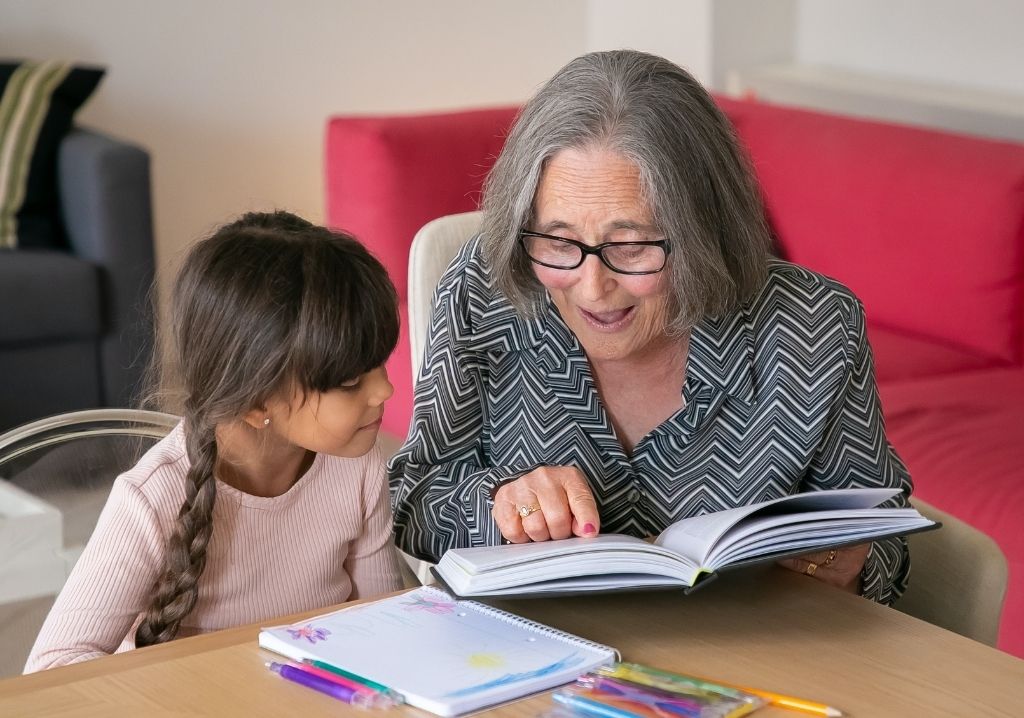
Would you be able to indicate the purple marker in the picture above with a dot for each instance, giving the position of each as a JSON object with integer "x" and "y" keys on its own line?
{"x": 351, "y": 696}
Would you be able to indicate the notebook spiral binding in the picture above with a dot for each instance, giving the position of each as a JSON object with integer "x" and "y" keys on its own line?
{"x": 527, "y": 623}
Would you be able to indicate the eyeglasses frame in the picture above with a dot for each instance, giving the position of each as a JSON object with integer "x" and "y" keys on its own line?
{"x": 586, "y": 250}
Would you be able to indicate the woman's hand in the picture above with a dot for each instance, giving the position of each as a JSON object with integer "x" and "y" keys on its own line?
{"x": 558, "y": 503}
{"x": 839, "y": 567}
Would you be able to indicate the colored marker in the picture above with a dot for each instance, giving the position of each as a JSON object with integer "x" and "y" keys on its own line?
{"x": 664, "y": 679}
{"x": 335, "y": 690}
{"x": 342, "y": 681}
{"x": 589, "y": 706}
{"x": 644, "y": 695}
{"x": 395, "y": 696}
{"x": 672, "y": 682}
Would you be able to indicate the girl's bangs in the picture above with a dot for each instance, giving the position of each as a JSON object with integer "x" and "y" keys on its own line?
{"x": 347, "y": 324}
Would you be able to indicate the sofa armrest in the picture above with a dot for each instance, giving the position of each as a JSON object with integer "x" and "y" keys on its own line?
{"x": 106, "y": 208}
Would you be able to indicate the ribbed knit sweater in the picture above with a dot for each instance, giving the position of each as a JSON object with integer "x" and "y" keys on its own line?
{"x": 324, "y": 541}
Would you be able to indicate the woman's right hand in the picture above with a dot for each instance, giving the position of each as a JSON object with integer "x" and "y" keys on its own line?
{"x": 563, "y": 501}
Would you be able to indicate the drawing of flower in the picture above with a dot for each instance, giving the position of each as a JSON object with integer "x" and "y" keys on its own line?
{"x": 421, "y": 603}
{"x": 310, "y": 632}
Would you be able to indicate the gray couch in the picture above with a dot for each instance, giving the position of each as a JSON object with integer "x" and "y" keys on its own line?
{"x": 75, "y": 323}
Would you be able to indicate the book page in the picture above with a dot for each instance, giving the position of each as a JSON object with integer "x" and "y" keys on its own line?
{"x": 490, "y": 558}
{"x": 695, "y": 537}
{"x": 755, "y": 536}
{"x": 520, "y": 568}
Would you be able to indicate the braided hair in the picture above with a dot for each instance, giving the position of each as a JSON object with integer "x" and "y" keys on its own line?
{"x": 266, "y": 301}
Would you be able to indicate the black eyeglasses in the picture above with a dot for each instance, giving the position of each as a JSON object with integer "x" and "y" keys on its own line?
{"x": 547, "y": 250}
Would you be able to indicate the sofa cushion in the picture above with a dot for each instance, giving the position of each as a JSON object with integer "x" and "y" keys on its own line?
{"x": 388, "y": 176}
{"x": 37, "y": 102}
{"x": 900, "y": 356}
{"x": 47, "y": 295}
{"x": 43, "y": 379}
{"x": 926, "y": 227}
{"x": 962, "y": 437}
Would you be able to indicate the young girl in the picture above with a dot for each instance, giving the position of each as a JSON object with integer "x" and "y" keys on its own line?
{"x": 269, "y": 497}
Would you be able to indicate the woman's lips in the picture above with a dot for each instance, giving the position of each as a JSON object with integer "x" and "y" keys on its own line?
{"x": 610, "y": 321}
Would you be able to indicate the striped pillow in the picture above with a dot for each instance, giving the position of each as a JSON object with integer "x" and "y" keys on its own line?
{"x": 37, "y": 102}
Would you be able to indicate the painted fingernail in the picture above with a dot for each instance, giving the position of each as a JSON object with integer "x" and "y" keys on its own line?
{"x": 588, "y": 528}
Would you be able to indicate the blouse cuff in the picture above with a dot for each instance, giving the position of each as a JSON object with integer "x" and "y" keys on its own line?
{"x": 884, "y": 577}
{"x": 476, "y": 498}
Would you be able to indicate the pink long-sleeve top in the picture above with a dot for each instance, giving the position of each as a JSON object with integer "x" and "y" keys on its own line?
{"x": 326, "y": 540}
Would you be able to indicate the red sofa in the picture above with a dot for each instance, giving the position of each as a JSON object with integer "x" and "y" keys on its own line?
{"x": 926, "y": 227}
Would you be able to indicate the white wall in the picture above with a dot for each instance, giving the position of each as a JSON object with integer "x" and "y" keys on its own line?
{"x": 972, "y": 43}
{"x": 231, "y": 96}
{"x": 707, "y": 37}
{"x": 748, "y": 34}
{"x": 679, "y": 30}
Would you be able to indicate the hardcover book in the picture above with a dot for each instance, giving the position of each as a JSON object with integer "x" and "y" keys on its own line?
{"x": 687, "y": 553}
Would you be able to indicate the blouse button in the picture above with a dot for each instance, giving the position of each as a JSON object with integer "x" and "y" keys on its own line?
{"x": 633, "y": 496}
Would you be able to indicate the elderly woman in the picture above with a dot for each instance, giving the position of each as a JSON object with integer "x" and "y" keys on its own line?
{"x": 617, "y": 350}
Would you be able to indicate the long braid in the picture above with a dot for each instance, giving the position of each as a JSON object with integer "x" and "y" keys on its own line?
{"x": 178, "y": 588}
{"x": 265, "y": 303}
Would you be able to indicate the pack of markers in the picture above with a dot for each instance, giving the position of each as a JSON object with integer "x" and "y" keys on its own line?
{"x": 630, "y": 690}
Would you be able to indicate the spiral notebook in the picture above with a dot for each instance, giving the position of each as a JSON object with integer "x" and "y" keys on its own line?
{"x": 445, "y": 656}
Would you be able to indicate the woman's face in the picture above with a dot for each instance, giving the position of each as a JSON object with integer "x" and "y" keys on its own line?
{"x": 593, "y": 196}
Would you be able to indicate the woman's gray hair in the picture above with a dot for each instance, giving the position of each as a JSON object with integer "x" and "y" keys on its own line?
{"x": 694, "y": 177}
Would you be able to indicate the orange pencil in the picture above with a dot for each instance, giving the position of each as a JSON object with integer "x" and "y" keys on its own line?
{"x": 799, "y": 704}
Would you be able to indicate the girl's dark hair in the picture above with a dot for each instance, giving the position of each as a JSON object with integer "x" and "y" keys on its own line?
{"x": 268, "y": 302}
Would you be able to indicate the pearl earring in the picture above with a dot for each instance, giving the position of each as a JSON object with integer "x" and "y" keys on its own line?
{"x": 266, "y": 422}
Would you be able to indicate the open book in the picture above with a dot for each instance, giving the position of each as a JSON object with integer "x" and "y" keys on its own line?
{"x": 444, "y": 656}
{"x": 687, "y": 553}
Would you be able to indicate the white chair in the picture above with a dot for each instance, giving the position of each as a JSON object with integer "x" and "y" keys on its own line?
{"x": 958, "y": 578}
{"x": 55, "y": 475}
{"x": 433, "y": 249}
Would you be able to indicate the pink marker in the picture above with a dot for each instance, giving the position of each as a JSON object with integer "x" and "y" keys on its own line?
{"x": 363, "y": 699}
{"x": 334, "y": 678}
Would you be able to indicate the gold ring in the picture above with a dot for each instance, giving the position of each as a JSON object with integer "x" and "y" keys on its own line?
{"x": 811, "y": 568}
{"x": 525, "y": 511}
{"x": 830, "y": 558}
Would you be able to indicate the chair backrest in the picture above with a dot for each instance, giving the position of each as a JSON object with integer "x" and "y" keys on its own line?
{"x": 958, "y": 578}
{"x": 55, "y": 475}
{"x": 433, "y": 249}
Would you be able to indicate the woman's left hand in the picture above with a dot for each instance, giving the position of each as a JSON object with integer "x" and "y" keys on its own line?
{"x": 839, "y": 567}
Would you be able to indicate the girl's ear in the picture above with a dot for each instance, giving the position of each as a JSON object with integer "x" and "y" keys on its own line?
{"x": 257, "y": 418}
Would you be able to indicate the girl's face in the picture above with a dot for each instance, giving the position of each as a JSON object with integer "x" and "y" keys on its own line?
{"x": 594, "y": 196}
{"x": 339, "y": 422}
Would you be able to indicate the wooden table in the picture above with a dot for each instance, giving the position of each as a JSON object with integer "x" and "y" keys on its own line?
{"x": 771, "y": 629}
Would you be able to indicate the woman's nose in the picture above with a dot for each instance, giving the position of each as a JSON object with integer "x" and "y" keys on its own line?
{"x": 596, "y": 279}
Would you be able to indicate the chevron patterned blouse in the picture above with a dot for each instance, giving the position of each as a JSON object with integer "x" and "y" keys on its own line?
{"x": 779, "y": 397}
